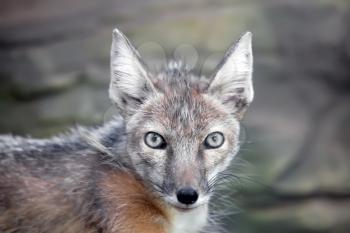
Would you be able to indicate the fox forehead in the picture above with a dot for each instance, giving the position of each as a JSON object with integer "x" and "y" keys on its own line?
{"x": 188, "y": 111}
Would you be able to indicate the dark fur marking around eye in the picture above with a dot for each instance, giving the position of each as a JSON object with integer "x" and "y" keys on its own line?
{"x": 168, "y": 183}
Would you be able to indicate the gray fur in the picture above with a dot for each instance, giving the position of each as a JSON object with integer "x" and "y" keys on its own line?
{"x": 175, "y": 103}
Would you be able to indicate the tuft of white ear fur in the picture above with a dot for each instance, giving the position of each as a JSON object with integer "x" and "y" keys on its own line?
{"x": 232, "y": 81}
{"x": 130, "y": 82}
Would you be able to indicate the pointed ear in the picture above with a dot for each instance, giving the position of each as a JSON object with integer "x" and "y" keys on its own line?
{"x": 232, "y": 81}
{"x": 130, "y": 83}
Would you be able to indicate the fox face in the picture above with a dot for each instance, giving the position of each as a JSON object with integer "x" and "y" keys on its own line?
{"x": 182, "y": 130}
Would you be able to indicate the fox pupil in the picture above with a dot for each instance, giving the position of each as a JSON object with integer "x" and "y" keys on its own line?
{"x": 154, "y": 138}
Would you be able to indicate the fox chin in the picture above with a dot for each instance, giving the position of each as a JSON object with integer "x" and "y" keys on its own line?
{"x": 153, "y": 169}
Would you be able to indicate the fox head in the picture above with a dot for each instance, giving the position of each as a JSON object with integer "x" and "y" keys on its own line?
{"x": 182, "y": 130}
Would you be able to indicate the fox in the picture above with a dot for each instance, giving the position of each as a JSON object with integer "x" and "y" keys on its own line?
{"x": 151, "y": 169}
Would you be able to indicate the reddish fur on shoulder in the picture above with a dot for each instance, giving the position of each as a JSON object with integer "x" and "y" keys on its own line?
{"x": 130, "y": 206}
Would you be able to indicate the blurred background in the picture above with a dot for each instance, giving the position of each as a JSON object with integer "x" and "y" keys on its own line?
{"x": 294, "y": 168}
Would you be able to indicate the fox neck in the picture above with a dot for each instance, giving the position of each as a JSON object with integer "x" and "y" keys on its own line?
{"x": 188, "y": 221}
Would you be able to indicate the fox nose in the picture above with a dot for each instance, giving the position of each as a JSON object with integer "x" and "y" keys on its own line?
{"x": 187, "y": 196}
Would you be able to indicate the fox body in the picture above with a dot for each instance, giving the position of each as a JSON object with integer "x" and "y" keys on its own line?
{"x": 151, "y": 170}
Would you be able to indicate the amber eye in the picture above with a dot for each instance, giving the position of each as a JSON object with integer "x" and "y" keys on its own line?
{"x": 214, "y": 140}
{"x": 154, "y": 140}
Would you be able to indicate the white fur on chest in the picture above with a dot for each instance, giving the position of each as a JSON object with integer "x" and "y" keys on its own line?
{"x": 190, "y": 221}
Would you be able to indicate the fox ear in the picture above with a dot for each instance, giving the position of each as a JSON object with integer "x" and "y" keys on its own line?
{"x": 232, "y": 81}
{"x": 130, "y": 83}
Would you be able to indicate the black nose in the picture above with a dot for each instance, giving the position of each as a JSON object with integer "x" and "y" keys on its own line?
{"x": 187, "y": 196}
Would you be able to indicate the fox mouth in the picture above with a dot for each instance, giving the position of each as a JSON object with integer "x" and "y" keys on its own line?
{"x": 185, "y": 209}
{"x": 172, "y": 201}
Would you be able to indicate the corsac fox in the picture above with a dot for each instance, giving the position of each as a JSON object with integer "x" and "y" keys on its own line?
{"x": 151, "y": 170}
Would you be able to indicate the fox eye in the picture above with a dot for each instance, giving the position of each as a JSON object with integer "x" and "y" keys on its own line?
{"x": 154, "y": 140}
{"x": 214, "y": 140}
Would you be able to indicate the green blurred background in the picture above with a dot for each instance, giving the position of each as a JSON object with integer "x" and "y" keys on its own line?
{"x": 294, "y": 168}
